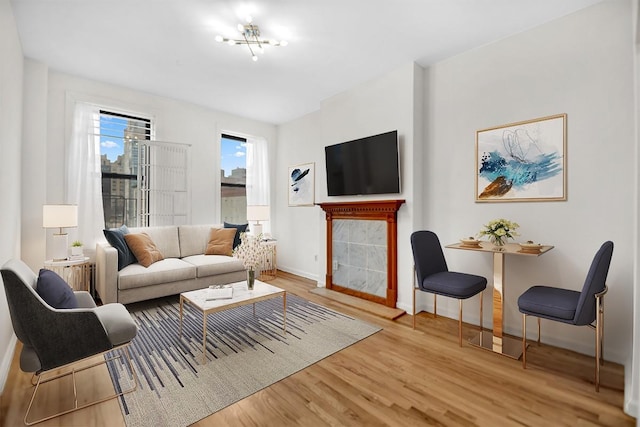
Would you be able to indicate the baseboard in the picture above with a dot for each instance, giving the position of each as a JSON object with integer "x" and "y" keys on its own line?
{"x": 300, "y": 273}
{"x": 631, "y": 408}
{"x": 5, "y": 366}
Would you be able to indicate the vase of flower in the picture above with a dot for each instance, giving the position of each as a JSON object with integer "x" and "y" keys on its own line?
{"x": 497, "y": 241}
{"x": 499, "y": 230}
{"x": 251, "y": 279}
{"x": 252, "y": 252}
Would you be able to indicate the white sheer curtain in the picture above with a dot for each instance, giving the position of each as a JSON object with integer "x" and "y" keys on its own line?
{"x": 84, "y": 177}
{"x": 257, "y": 171}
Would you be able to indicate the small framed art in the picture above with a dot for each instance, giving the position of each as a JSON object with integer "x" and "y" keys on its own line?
{"x": 302, "y": 185}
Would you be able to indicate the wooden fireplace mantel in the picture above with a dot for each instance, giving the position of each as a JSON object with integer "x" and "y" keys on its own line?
{"x": 380, "y": 210}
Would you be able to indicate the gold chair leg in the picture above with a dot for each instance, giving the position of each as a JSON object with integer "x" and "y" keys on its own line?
{"x": 414, "y": 297}
{"x": 460, "y": 323}
{"x": 524, "y": 341}
{"x": 601, "y": 330}
{"x": 481, "y": 298}
{"x": 599, "y": 324}
{"x": 435, "y": 306}
{"x": 73, "y": 371}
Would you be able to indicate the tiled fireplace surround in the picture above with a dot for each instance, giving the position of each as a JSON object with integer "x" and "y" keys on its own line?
{"x": 362, "y": 249}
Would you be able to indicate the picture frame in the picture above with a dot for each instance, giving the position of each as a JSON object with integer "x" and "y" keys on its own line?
{"x": 523, "y": 161}
{"x": 301, "y": 182}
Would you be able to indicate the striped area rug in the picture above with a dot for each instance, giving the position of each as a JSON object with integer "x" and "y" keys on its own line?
{"x": 245, "y": 353}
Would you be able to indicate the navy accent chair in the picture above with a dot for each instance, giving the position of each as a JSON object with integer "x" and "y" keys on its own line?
{"x": 55, "y": 339}
{"x": 571, "y": 307}
{"x": 433, "y": 276}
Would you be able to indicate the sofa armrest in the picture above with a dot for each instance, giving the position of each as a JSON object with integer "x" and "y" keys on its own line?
{"x": 107, "y": 272}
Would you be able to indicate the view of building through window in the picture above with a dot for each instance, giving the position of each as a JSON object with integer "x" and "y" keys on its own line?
{"x": 119, "y": 136}
{"x": 233, "y": 179}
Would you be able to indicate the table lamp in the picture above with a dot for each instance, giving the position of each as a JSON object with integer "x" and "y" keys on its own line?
{"x": 60, "y": 216}
{"x": 257, "y": 213}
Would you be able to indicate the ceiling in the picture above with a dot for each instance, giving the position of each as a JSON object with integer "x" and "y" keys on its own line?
{"x": 167, "y": 47}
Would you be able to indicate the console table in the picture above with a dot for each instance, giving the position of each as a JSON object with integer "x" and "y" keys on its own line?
{"x": 495, "y": 340}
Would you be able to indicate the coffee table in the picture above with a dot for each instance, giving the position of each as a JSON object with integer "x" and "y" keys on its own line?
{"x": 241, "y": 296}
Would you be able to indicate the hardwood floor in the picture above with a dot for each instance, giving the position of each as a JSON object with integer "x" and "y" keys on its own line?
{"x": 398, "y": 376}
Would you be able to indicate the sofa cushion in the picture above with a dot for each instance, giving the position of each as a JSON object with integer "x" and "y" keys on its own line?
{"x": 165, "y": 271}
{"x": 55, "y": 291}
{"x": 220, "y": 241}
{"x": 143, "y": 248}
{"x": 211, "y": 265}
{"x": 194, "y": 238}
{"x": 115, "y": 237}
{"x": 165, "y": 238}
{"x": 240, "y": 228}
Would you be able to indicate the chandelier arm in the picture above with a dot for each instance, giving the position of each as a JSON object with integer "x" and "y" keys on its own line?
{"x": 248, "y": 45}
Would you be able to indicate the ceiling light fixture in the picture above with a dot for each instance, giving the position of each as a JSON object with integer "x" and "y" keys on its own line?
{"x": 251, "y": 37}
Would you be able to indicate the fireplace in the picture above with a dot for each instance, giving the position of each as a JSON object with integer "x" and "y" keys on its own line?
{"x": 362, "y": 249}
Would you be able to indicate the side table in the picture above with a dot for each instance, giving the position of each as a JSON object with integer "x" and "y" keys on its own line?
{"x": 269, "y": 267}
{"x": 77, "y": 273}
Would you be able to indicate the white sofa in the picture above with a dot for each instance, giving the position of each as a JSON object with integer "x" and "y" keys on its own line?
{"x": 184, "y": 267}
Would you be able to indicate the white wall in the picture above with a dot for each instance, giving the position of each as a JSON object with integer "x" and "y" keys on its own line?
{"x": 581, "y": 65}
{"x": 175, "y": 121}
{"x": 383, "y": 104}
{"x": 632, "y": 377}
{"x": 11, "y": 68}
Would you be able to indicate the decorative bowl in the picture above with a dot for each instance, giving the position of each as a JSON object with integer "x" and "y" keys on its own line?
{"x": 532, "y": 248}
{"x": 470, "y": 241}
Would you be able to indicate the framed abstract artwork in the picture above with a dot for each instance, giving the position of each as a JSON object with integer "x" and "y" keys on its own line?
{"x": 523, "y": 162}
{"x": 302, "y": 185}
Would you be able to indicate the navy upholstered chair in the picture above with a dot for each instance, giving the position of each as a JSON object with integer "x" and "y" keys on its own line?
{"x": 433, "y": 276}
{"x": 54, "y": 338}
{"x": 585, "y": 308}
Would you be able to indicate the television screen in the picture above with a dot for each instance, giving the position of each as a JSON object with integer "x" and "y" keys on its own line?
{"x": 364, "y": 166}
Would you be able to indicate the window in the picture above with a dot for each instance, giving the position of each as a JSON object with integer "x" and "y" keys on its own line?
{"x": 119, "y": 155}
{"x": 233, "y": 179}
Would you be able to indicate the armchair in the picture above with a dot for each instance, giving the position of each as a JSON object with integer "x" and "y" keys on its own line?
{"x": 57, "y": 338}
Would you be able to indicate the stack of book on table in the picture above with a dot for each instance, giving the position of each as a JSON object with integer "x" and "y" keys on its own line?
{"x": 219, "y": 292}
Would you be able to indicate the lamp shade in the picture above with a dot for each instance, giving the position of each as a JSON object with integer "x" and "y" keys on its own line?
{"x": 258, "y": 213}
{"x": 59, "y": 216}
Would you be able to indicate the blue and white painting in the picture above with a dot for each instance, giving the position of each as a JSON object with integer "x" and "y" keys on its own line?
{"x": 301, "y": 185}
{"x": 522, "y": 161}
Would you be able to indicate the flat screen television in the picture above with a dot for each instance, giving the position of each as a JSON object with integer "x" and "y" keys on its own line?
{"x": 364, "y": 166}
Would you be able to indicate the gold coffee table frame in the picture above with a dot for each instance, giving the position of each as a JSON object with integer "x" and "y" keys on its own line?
{"x": 241, "y": 296}
{"x": 495, "y": 340}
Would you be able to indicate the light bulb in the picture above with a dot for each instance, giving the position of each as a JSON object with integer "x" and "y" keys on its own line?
{"x": 231, "y": 42}
{"x": 219, "y": 38}
{"x": 255, "y": 58}
{"x": 249, "y": 19}
{"x": 273, "y": 42}
{"x": 241, "y": 28}
{"x": 284, "y": 43}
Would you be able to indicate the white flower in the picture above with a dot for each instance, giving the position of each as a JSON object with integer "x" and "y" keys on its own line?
{"x": 251, "y": 251}
{"x": 499, "y": 229}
